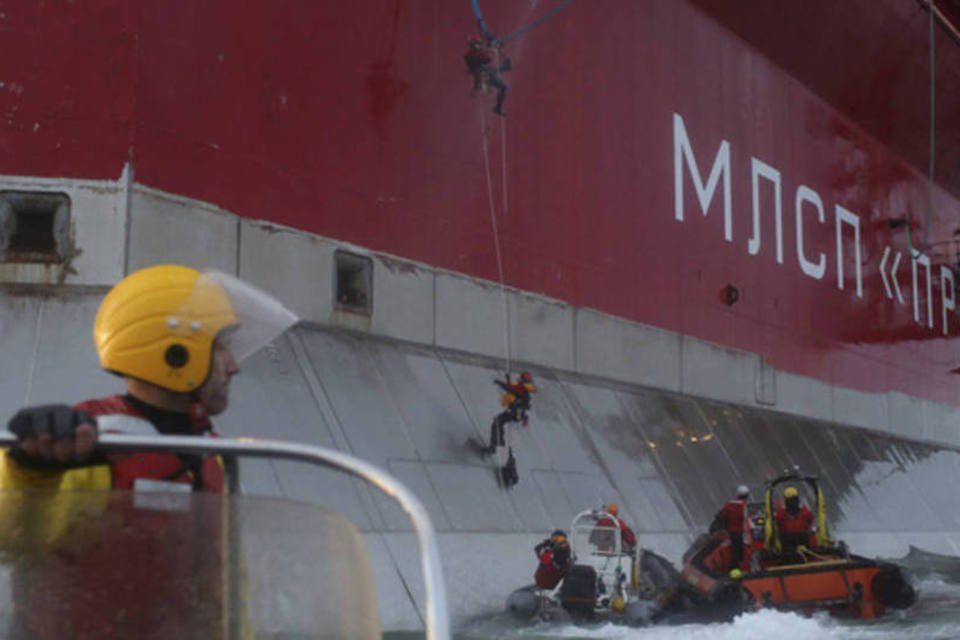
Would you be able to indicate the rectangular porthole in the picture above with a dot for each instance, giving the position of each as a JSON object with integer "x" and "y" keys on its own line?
{"x": 34, "y": 226}
{"x": 353, "y": 288}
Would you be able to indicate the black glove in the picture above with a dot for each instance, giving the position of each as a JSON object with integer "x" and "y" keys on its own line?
{"x": 59, "y": 421}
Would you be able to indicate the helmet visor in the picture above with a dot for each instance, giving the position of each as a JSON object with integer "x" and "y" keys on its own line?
{"x": 253, "y": 317}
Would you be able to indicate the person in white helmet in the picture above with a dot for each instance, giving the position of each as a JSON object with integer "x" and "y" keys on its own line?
{"x": 730, "y": 519}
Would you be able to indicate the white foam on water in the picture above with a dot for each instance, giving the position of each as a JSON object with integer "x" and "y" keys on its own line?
{"x": 762, "y": 625}
{"x": 936, "y": 616}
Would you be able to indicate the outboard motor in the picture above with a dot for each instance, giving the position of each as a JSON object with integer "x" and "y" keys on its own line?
{"x": 578, "y": 592}
{"x": 892, "y": 589}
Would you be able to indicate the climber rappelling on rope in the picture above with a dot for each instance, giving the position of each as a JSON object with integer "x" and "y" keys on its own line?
{"x": 484, "y": 53}
{"x": 486, "y": 66}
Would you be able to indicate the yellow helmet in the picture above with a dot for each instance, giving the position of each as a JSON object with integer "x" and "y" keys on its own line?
{"x": 159, "y": 324}
{"x": 790, "y": 492}
{"x": 618, "y": 604}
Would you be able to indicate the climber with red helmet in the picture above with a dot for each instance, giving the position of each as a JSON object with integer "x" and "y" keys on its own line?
{"x": 485, "y": 68}
{"x": 515, "y": 401}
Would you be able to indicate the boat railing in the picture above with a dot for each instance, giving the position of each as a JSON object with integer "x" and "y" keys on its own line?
{"x": 591, "y": 538}
{"x": 437, "y": 622}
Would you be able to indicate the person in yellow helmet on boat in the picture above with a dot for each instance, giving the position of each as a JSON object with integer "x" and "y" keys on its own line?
{"x": 175, "y": 336}
{"x": 794, "y": 520}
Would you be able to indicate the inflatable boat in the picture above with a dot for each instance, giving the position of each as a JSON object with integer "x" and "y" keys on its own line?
{"x": 606, "y": 580}
{"x": 812, "y": 573}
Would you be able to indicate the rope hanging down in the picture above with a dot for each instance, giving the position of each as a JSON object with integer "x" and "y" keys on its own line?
{"x": 924, "y": 243}
{"x": 933, "y": 99}
{"x": 496, "y": 235}
{"x": 490, "y": 36}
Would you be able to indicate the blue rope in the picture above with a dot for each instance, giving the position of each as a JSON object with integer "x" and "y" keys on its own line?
{"x": 483, "y": 25}
{"x": 536, "y": 23}
{"x": 522, "y": 30}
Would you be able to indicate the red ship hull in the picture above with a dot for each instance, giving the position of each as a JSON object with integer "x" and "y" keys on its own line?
{"x": 354, "y": 121}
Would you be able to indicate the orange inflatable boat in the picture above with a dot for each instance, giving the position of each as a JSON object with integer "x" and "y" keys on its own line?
{"x": 803, "y": 571}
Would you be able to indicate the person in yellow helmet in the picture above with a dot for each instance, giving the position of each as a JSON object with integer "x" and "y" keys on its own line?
{"x": 175, "y": 336}
{"x": 794, "y": 521}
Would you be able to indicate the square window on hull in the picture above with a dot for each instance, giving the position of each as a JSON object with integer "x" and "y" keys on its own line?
{"x": 34, "y": 226}
{"x": 353, "y": 289}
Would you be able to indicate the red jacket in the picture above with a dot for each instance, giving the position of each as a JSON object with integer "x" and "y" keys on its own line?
{"x": 549, "y": 573}
{"x": 801, "y": 522}
{"x": 732, "y": 515}
{"x": 627, "y": 537}
{"x": 206, "y": 474}
{"x": 129, "y": 561}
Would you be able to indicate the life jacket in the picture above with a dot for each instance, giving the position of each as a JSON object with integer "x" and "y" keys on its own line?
{"x": 732, "y": 515}
{"x": 797, "y": 523}
{"x": 519, "y": 393}
{"x": 119, "y": 563}
{"x": 626, "y": 534}
{"x": 551, "y": 569}
{"x": 204, "y": 474}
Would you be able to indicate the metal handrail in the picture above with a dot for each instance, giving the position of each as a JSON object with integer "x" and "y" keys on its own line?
{"x": 437, "y": 620}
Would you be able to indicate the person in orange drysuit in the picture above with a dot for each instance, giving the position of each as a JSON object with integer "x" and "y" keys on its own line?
{"x": 730, "y": 519}
{"x": 628, "y": 540}
{"x": 794, "y": 521}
